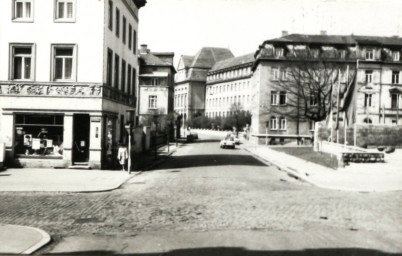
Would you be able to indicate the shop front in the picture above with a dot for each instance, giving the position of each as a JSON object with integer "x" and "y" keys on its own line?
{"x": 61, "y": 139}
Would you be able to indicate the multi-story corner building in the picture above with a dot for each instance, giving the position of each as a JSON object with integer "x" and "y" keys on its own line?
{"x": 190, "y": 80}
{"x": 228, "y": 82}
{"x": 68, "y": 72}
{"x": 156, "y": 82}
{"x": 376, "y": 60}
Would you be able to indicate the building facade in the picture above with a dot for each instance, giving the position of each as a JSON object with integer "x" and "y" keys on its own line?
{"x": 190, "y": 80}
{"x": 68, "y": 74}
{"x": 156, "y": 84}
{"x": 228, "y": 83}
{"x": 376, "y": 60}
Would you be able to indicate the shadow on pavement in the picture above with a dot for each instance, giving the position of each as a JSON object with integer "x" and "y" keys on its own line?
{"x": 187, "y": 161}
{"x": 238, "y": 251}
{"x": 205, "y": 141}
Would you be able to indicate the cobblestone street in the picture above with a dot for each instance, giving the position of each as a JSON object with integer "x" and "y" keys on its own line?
{"x": 205, "y": 188}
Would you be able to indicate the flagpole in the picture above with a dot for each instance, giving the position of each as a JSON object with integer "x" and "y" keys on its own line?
{"x": 345, "y": 128}
{"x": 345, "y": 134}
{"x": 337, "y": 107}
{"x": 354, "y": 109}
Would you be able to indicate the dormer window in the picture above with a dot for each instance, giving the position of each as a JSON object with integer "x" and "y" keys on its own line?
{"x": 396, "y": 55}
{"x": 279, "y": 52}
{"x": 315, "y": 53}
{"x": 370, "y": 54}
{"x": 342, "y": 54}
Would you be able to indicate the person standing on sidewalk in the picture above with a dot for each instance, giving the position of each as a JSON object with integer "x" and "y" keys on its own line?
{"x": 122, "y": 155}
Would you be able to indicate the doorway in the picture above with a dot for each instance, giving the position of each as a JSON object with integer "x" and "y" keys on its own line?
{"x": 81, "y": 124}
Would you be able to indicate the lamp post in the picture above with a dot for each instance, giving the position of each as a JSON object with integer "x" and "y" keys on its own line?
{"x": 130, "y": 113}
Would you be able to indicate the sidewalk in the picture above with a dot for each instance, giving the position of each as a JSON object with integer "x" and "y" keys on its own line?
{"x": 21, "y": 239}
{"x": 362, "y": 177}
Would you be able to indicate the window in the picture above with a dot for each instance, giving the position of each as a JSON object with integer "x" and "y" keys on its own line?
{"x": 117, "y": 22}
{"x": 315, "y": 53}
{"x": 396, "y": 55}
{"x": 109, "y": 67}
{"x": 394, "y": 100}
{"x": 282, "y": 123}
{"x": 152, "y": 101}
{"x": 116, "y": 71}
{"x": 313, "y": 100}
{"x": 154, "y": 81}
{"x": 284, "y": 75}
{"x": 282, "y": 98}
{"x": 129, "y": 82}
{"x": 64, "y": 63}
{"x": 367, "y": 99}
{"x": 273, "y": 123}
{"x": 342, "y": 54}
{"x": 279, "y": 52}
{"x": 369, "y": 77}
{"x": 367, "y": 120}
{"x": 39, "y": 135}
{"x": 134, "y": 83}
{"x": 130, "y": 39}
{"x": 124, "y": 29}
{"x": 64, "y": 10}
{"x": 370, "y": 54}
{"x": 274, "y": 98}
{"x": 275, "y": 74}
{"x": 22, "y": 62}
{"x": 134, "y": 41}
{"x": 312, "y": 125}
{"x": 23, "y": 10}
{"x": 110, "y": 23}
{"x": 395, "y": 77}
{"x": 123, "y": 75}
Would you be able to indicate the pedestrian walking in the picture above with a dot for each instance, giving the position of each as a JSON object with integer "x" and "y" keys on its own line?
{"x": 122, "y": 155}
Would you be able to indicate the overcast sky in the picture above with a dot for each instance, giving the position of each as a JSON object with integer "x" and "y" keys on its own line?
{"x": 184, "y": 26}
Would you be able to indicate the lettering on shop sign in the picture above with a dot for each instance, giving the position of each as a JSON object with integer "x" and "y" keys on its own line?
{"x": 51, "y": 90}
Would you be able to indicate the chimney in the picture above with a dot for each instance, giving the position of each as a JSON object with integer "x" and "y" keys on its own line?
{"x": 284, "y": 32}
{"x": 323, "y": 32}
{"x": 144, "y": 49}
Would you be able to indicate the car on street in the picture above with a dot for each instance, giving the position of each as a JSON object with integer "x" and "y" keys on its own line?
{"x": 228, "y": 142}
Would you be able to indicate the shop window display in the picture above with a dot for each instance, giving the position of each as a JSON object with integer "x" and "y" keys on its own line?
{"x": 39, "y": 135}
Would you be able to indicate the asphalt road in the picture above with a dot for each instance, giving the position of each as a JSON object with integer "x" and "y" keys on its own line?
{"x": 210, "y": 201}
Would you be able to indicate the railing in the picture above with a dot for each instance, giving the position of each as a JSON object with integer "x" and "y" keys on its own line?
{"x": 62, "y": 89}
{"x": 115, "y": 94}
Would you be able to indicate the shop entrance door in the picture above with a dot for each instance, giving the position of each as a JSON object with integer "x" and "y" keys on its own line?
{"x": 81, "y": 123}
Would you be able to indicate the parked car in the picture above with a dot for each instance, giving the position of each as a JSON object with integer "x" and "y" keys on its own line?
{"x": 195, "y": 135}
{"x": 228, "y": 142}
{"x": 236, "y": 140}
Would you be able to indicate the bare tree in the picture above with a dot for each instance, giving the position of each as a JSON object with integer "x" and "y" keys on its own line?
{"x": 309, "y": 85}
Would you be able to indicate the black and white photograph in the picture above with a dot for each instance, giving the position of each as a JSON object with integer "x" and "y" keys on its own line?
{"x": 201, "y": 127}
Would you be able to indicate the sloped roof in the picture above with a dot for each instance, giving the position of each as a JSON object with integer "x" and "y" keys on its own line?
{"x": 208, "y": 56}
{"x": 152, "y": 60}
{"x": 314, "y": 39}
{"x": 338, "y": 39}
{"x": 187, "y": 60}
{"x": 232, "y": 62}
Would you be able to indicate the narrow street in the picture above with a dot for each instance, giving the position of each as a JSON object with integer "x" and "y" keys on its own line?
{"x": 205, "y": 189}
